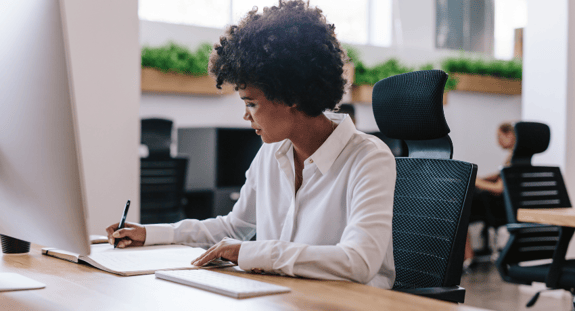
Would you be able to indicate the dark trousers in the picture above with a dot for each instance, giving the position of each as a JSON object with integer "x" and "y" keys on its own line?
{"x": 489, "y": 209}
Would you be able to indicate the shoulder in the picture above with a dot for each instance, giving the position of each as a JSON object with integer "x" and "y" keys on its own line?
{"x": 365, "y": 144}
{"x": 366, "y": 153}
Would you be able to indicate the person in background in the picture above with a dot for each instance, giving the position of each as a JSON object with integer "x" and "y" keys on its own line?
{"x": 319, "y": 193}
{"x": 487, "y": 205}
{"x": 493, "y": 183}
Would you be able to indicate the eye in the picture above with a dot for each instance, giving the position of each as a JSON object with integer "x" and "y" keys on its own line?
{"x": 250, "y": 105}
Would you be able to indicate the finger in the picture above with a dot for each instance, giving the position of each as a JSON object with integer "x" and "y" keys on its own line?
{"x": 196, "y": 261}
{"x": 211, "y": 249}
{"x": 206, "y": 257}
{"x": 124, "y": 243}
{"x": 122, "y": 233}
{"x": 110, "y": 230}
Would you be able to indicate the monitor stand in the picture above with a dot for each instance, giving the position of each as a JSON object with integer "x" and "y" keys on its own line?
{"x": 14, "y": 281}
{"x": 12, "y": 245}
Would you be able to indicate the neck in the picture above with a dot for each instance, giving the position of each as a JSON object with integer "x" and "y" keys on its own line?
{"x": 309, "y": 134}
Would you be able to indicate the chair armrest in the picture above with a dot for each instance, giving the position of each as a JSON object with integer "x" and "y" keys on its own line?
{"x": 452, "y": 294}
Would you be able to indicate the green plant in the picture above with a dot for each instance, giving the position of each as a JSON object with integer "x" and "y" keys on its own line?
{"x": 177, "y": 58}
{"x": 391, "y": 67}
{"x": 512, "y": 69}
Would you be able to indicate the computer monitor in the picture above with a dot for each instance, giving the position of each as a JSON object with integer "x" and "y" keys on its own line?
{"x": 41, "y": 185}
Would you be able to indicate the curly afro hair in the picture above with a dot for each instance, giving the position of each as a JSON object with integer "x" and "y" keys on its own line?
{"x": 289, "y": 52}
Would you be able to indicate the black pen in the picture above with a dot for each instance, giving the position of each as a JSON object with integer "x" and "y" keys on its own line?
{"x": 123, "y": 221}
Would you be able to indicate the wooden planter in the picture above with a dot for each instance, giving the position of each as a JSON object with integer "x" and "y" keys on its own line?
{"x": 361, "y": 93}
{"x": 466, "y": 83}
{"x": 154, "y": 80}
{"x": 487, "y": 84}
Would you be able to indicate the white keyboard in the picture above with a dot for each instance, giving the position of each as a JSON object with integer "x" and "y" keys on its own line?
{"x": 229, "y": 285}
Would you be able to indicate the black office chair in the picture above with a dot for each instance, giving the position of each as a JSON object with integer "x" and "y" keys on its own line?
{"x": 162, "y": 177}
{"x": 157, "y": 136}
{"x": 162, "y": 190}
{"x": 433, "y": 192}
{"x": 528, "y": 186}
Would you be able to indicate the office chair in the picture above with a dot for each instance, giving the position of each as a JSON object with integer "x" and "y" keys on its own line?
{"x": 162, "y": 177}
{"x": 529, "y": 186}
{"x": 157, "y": 136}
{"x": 433, "y": 193}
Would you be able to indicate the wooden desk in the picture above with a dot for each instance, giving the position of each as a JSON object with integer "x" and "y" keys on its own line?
{"x": 72, "y": 286}
{"x": 564, "y": 217}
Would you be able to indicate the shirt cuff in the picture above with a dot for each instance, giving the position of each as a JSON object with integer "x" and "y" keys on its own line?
{"x": 159, "y": 234}
{"x": 255, "y": 255}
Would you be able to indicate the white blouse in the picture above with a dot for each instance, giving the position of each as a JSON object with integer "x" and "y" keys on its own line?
{"x": 337, "y": 226}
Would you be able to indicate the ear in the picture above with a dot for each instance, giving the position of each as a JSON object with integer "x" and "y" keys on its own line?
{"x": 294, "y": 109}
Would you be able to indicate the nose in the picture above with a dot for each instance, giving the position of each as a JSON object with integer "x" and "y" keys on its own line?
{"x": 247, "y": 116}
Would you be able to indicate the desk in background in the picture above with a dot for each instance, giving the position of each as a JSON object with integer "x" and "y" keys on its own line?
{"x": 72, "y": 286}
{"x": 564, "y": 217}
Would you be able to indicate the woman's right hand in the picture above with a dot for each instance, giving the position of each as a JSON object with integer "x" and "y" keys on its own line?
{"x": 132, "y": 234}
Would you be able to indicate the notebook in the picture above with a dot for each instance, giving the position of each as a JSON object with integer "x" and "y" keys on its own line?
{"x": 137, "y": 260}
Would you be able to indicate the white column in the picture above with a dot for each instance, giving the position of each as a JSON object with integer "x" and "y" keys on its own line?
{"x": 548, "y": 80}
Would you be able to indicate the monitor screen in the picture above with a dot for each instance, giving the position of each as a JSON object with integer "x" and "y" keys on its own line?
{"x": 41, "y": 185}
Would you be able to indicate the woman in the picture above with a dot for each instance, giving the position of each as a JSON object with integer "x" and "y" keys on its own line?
{"x": 319, "y": 193}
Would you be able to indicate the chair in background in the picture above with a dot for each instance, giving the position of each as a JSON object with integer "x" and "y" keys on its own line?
{"x": 162, "y": 177}
{"x": 432, "y": 197}
{"x": 157, "y": 136}
{"x": 529, "y": 186}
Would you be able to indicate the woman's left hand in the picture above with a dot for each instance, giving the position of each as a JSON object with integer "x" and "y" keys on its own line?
{"x": 227, "y": 249}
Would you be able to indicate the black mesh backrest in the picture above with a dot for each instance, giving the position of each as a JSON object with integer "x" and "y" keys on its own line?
{"x": 161, "y": 189}
{"x": 157, "y": 136}
{"x": 533, "y": 187}
{"x": 532, "y": 243}
{"x": 410, "y": 106}
{"x": 430, "y": 218}
{"x": 531, "y": 138}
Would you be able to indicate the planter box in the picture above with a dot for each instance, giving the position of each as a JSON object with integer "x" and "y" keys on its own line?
{"x": 361, "y": 93}
{"x": 154, "y": 80}
{"x": 487, "y": 84}
{"x": 467, "y": 83}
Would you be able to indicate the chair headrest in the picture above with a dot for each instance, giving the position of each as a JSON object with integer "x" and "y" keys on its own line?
{"x": 157, "y": 135}
{"x": 530, "y": 138}
{"x": 409, "y": 106}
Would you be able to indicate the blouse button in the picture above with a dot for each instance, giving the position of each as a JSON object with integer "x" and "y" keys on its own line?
{"x": 310, "y": 160}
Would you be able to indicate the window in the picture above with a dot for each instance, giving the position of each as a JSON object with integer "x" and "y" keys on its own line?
{"x": 359, "y": 21}
{"x": 509, "y": 15}
{"x": 207, "y": 13}
{"x": 464, "y": 25}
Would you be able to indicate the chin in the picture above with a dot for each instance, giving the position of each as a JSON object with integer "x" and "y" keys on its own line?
{"x": 268, "y": 140}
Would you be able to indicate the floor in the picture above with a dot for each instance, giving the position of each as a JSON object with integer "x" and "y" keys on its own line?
{"x": 485, "y": 289}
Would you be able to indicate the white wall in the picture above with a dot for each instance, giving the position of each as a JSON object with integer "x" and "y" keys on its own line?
{"x": 549, "y": 74}
{"x": 545, "y": 73}
{"x": 105, "y": 68}
{"x": 474, "y": 120}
